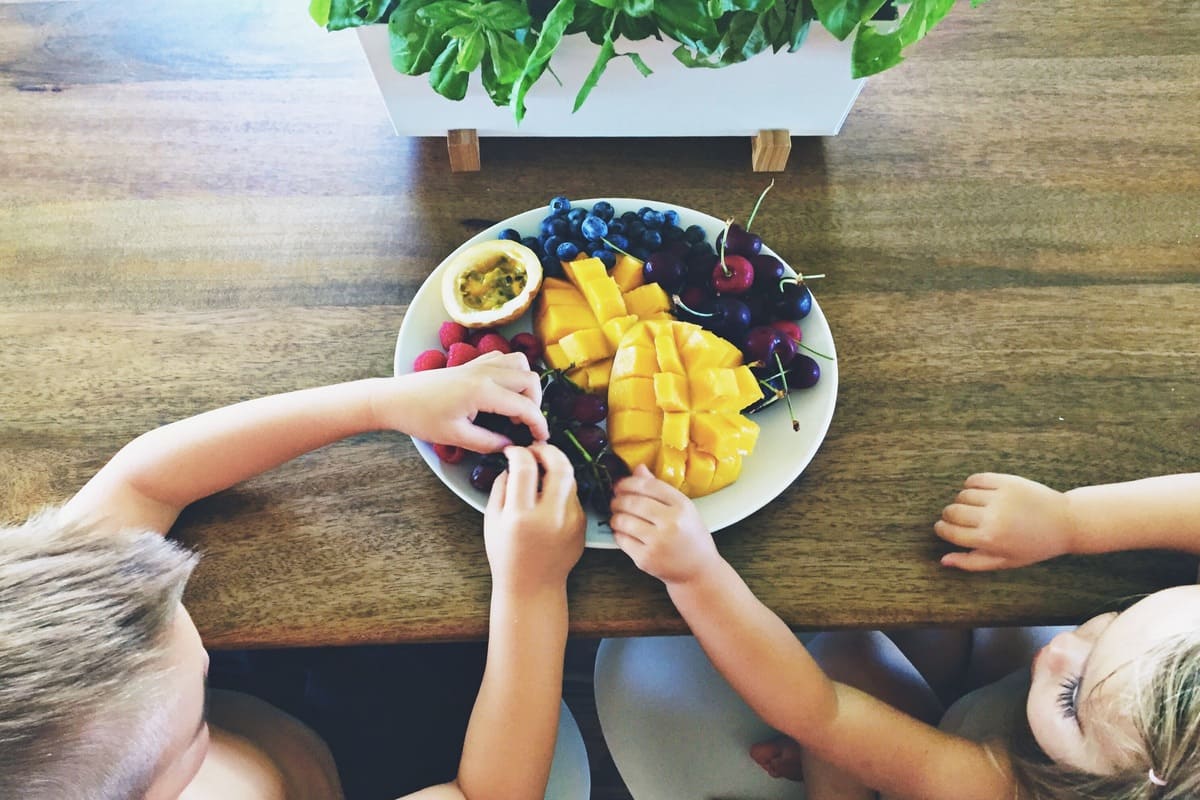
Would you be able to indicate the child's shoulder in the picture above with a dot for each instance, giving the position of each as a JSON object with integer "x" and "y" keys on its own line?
{"x": 990, "y": 712}
{"x": 255, "y": 746}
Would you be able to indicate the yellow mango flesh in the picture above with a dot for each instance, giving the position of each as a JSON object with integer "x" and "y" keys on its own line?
{"x": 581, "y": 320}
{"x": 675, "y": 396}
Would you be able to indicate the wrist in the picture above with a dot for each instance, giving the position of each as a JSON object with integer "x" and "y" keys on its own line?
{"x": 709, "y": 576}
{"x": 512, "y": 591}
{"x": 1076, "y": 531}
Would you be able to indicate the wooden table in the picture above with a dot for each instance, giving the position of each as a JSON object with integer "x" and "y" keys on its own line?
{"x": 197, "y": 209}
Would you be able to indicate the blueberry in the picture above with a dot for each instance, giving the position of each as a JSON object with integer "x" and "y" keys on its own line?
{"x": 641, "y": 212}
{"x": 533, "y": 243}
{"x": 671, "y": 216}
{"x": 618, "y": 240}
{"x": 594, "y": 228}
{"x": 652, "y": 240}
{"x": 560, "y": 204}
{"x": 575, "y": 228}
{"x": 577, "y": 214}
{"x": 694, "y": 234}
{"x": 700, "y": 250}
{"x": 605, "y": 255}
{"x": 551, "y": 268}
{"x": 672, "y": 233}
{"x": 556, "y": 226}
{"x": 640, "y": 253}
{"x": 511, "y": 234}
{"x": 652, "y": 219}
{"x": 566, "y": 251}
{"x": 615, "y": 227}
{"x": 550, "y": 247}
{"x": 604, "y": 210}
{"x": 635, "y": 229}
{"x": 629, "y": 216}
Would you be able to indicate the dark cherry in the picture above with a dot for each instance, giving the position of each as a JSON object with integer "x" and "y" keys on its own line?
{"x": 768, "y": 272}
{"x": 794, "y": 301}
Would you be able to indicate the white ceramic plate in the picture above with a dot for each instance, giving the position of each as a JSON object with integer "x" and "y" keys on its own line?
{"x": 780, "y": 455}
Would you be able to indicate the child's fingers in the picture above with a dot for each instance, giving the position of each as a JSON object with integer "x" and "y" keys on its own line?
{"x": 630, "y": 546}
{"x": 511, "y": 371}
{"x": 643, "y": 482}
{"x": 964, "y": 516}
{"x": 480, "y": 440}
{"x": 495, "y": 503}
{"x": 558, "y": 484}
{"x": 974, "y": 561}
{"x": 975, "y": 497}
{"x": 639, "y": 505}
{"x": 522, "y": 478}
{"x": 517, "y": 406}
{"x": 984, "y": 480}
{"x": 957, "y": 534}
{"x": 630, "y": 526}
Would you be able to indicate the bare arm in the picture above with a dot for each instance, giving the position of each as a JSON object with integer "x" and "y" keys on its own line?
{"x": 765, "y": 663}
{"x": 1008, "y": 521}
{"x": 155, "y": 476}
{"x": 534, "y": 537}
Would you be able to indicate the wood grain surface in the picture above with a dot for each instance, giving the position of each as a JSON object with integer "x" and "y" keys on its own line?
{"x": 199, "y": 206}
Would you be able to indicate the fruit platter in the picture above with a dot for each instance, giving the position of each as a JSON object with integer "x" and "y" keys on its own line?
{"x": 664, "y": 336}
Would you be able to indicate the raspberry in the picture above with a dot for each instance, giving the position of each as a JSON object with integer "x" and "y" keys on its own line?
{"x": 475, "y": 334}
{"x": 460, "y": 353}
{"x": 449, "y": 453}
{"x": 451, "y": 332}
{"x": 430, "y": 359}
{"x": 494, "y": 342}
{"x": 528, "y": 344}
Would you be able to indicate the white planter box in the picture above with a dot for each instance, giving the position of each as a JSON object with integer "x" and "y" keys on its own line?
{"x": 806, "y": 93}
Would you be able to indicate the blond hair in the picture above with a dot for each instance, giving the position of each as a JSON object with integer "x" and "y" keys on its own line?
{"x": 85, "y": 615}
{"x": 1162, "y": 758}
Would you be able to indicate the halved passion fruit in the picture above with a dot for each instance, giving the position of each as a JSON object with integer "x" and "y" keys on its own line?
{"x": 491, "y": 283}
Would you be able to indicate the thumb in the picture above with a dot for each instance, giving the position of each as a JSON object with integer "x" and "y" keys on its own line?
{"x": 975, "y": 561}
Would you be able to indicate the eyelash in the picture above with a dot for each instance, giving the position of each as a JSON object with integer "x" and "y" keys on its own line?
{"x": 1067, "y": 696}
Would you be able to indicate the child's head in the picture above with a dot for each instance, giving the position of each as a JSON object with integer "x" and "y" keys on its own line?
{"x": 1114, "y": 706}
{"x": 101, "y": 669}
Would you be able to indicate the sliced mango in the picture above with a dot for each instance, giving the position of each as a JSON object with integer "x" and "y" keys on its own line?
{"x": 628, "y": 273}
{"x": 675, "y": 398}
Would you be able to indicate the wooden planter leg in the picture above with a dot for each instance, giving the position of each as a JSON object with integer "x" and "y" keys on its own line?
{"x": 463, "y": 144}
{"x": 769, "y": 150}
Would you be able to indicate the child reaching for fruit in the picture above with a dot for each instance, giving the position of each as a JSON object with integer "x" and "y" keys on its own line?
{"x": 102, "y": 672}
{"x": 1110, "y": 709}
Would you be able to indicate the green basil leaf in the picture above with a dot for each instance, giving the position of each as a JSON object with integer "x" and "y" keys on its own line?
{"x": 606, "y": 54}
{"x": 874, "y": 52}
{"x": 638, "y": 63}
{"x": 840, "y": 17}
{"x": 446, "y": 13}
{"x": 507, "y": 56}
{"x": 635, "y": 28}
{"x": 547, "y": 42}
{"x": 499, "y": 90}
{"x": 319, "y": 11}
{"x": 717, "y": 8}
{"x": 445, "y": 77}
{"x": 636, "y": 8}
{"x": 685, "y": 21}
{"x": 606, "y": 3}
{"x": 414, "y": 45}
{"x": 352, "y": 13}
{"x": 505, "y": 16}
{"x": 471, "y": 51}
{"x": 799, "y": 33}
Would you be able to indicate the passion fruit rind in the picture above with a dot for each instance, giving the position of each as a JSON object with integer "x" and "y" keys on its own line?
{"x": 491, "y": 283}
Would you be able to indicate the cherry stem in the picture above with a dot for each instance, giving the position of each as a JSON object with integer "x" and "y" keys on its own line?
{"x": 787, "y": 397}
{"x": 724, "y": 240}
{"x": 750, "y": 221}
{"x": 679, "y": 302}
{"x": 815, "y": 352}
{"x": 622, "y": 252}
{"x": 586, "y": 455}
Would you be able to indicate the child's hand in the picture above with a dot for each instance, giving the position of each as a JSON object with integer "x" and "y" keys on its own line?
{"x": 534, "y": 535}
{"x": 660, "y": 529}
{"x": 1005, "y": 521}
{"x": 440, "y": 405}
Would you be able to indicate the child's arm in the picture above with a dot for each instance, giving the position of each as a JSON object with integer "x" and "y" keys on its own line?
{"x": 533, "y": 539}
{"x": 767, "y": 665}
{"x": 155, "y": 476}
{"x": 1006, "y": 521}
